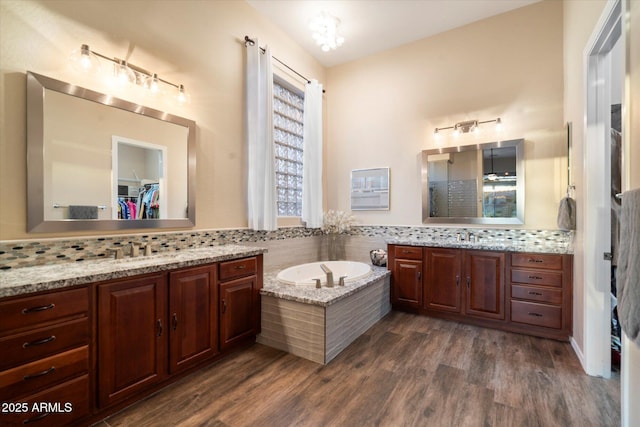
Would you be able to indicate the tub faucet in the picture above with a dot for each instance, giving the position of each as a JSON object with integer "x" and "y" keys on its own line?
{"x": 329, "y": 274}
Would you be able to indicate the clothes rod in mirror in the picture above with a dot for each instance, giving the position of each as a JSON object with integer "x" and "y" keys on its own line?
{"x": 88, "y": 61}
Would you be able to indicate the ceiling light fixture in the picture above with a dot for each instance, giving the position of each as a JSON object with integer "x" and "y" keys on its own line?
{"x": 87, "y": 60}
{"x": 325, "y": 31}
{"x": 468, "y": 126}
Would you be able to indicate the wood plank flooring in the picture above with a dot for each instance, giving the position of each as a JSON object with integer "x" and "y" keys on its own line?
{"x": 406, "y": 370}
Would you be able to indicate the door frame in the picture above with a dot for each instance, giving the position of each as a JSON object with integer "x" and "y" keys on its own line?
{"x": 597, "y": 189}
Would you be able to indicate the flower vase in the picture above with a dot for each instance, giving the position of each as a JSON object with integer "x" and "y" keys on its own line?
{"x": 333, "y": 246}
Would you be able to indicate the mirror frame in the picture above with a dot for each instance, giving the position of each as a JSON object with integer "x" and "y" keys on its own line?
{"x": 520, "y": 187}
{"x": 36, "y": 86}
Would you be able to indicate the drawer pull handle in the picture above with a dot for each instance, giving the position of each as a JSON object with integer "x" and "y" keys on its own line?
{"x": 224, "y": 306}
{"x": 458, "y": 281}
{"x": 36, "y": 309}
{"x": 419, "y": 275}
{"x": 39, "y": 342}
{"x": 175, "y": 321}
{"x": 535, "y": 260}
{"x": 39, "y": 374}
{"x": 159, "y": 327}
{"x": 535, "y": 314}
{"x": 37, "y": 418}
{"x": 240, "y": 267}
{"x": 535, "y": 277}
{"x": 535, "y": 293}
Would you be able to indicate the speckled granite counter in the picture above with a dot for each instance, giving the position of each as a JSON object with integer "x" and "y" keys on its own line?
{"x": 47, "y": 277}
{"x": 323, "y": 296}
{"x": 505, "y": 245}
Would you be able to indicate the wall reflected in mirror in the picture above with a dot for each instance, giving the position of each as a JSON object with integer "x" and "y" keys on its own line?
{"x": 481, "y": 184}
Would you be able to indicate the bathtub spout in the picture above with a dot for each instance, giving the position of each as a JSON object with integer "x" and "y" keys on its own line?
{"x": 329, "y": 274}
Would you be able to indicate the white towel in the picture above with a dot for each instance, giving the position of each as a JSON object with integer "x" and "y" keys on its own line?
{"x": 628, "y": 280}
{"x": 567, "y": 214}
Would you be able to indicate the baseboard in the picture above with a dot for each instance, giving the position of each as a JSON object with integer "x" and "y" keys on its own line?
{"x": 578, "y": 352}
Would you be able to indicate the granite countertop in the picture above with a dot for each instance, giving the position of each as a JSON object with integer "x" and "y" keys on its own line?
{"x": 324, "y": 296}
{"x": 506, "y": 245}
{"x": 55, "y": 276}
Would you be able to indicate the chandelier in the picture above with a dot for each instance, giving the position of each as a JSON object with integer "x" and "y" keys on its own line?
{"x": 325, "y": 31}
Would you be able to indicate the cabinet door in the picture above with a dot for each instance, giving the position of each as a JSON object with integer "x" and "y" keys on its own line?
{"x": 193, "y": 320}
{"x": 484, "y": 296}
{"x": 442, "y": 287}
{"x": 132, "y": 336}
{"x": 237, "y": 308}
{"x": 407, "y": 283}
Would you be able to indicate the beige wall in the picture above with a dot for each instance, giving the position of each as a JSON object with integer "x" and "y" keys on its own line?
{"x": 197, "y": 43}
{"x": 382, "y": 110}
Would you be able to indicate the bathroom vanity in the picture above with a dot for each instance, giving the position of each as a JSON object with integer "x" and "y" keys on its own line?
{"x": 524, "y": 292}
{"x": 95, "y": 338}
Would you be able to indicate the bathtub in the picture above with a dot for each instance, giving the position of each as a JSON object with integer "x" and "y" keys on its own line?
{"x": 305, "y": 274}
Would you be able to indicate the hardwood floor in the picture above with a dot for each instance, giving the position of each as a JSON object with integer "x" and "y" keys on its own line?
{"x": 406, "y": 370}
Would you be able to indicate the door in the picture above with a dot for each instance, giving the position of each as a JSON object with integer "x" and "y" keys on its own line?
{"x": 597, "y": 192}
{"x": 193, "y": 304}
{"x": 407, "y": 283}
{"x": 442, "y": 287}
{"x": 484, "y": 277}
{"x": 132, "y": 336}
{"x": 237, "y": 304}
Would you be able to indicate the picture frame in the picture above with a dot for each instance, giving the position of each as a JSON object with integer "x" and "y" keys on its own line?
{"x": 370, "y": 189}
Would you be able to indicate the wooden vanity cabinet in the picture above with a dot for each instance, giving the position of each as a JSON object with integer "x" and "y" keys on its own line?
{"x": 132, "y": 336}
{"x": 541, "y": 294}
{"x": 519, "y": 292}
{"x": 45, "y": 357}
{"x": 193, "y": 317}
{"x": 485, "y": 284}
{"x": 240, "y": 282}
{"x": 406, "y": 281}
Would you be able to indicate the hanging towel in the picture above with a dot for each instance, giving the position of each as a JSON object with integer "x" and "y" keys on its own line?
{"x": 567, "y": 214}
{"x": 628, "y": 280}
{"x": 83, "y": 212}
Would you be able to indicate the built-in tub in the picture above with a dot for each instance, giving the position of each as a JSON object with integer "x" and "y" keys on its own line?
{"x": 306, "y": 274}
{"x": 318, "y": 324}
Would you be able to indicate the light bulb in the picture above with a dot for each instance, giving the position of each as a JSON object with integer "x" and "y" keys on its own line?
{"x": 153, "y": 83}
{"x": 183, "y": 97}
{"x": 85, "y": 61}
{"x": 498, "y": 124}
{"x": 123, "y": 74}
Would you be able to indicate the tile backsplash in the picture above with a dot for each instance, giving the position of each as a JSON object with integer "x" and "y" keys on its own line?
{"x": 26, "y": 253}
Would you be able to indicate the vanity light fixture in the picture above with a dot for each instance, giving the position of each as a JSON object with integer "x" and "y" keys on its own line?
{"x": 325, "y": 31}
{"x": 87, "y": 60}
{"x": 468, "y": 126}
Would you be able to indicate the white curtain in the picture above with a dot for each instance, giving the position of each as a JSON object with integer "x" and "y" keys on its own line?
{"x": 262, "y": 201}
{"x": 312, "y": 169}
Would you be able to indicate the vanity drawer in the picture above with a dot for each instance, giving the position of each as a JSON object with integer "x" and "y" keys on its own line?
{"x": 532, "y": 313}
{"x": 27, "y": 378}
{"x": 55, "y": 406}
{"x": 547, "y": 261}
{"x": 25, "y": 347}
{"x": 408, "y": 252}
{"x": 238, "y": 268}
{"x": 537, "y": 277}
{"x": 29, "y": 311}
{"x": 535, "y": 293}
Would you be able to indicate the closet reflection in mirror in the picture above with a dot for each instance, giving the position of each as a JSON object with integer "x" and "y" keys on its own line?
{"x": 481, "y": 184}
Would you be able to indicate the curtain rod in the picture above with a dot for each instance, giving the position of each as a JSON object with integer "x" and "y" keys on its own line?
{"x": 250, "y": 41}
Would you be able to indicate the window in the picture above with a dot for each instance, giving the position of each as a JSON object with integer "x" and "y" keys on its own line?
{"x": 288, "y": 109}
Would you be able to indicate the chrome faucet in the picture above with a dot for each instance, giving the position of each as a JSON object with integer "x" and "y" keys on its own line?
{"x": 329, "y": 274}
{"x": 135, "y": 249}
{"x": 117, "y": 252}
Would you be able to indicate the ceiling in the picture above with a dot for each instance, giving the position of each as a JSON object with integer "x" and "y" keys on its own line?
{"x": 371, "y": 26}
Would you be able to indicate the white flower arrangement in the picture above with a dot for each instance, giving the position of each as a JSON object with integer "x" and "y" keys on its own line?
{"x": 337, "y": 222}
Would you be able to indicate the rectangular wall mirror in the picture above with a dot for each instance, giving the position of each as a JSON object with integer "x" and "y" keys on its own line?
{"x": 474, "y": 184}
{"x": 96, "y": 162}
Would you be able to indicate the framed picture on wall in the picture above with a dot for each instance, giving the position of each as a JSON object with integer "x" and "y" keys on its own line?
{"x": 370, "y": 189}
